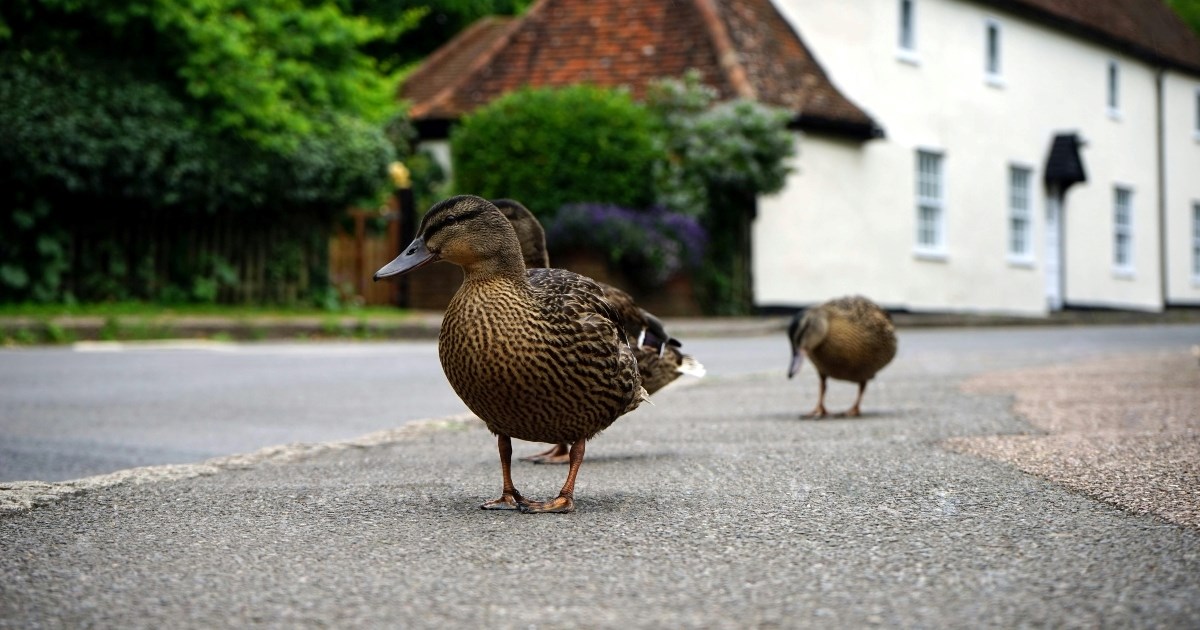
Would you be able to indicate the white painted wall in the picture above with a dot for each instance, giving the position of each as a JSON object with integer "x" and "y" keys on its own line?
{"x": 440, "y": 149}
{"x": 846, "y": 221}
{"x": 1183, "y": 183}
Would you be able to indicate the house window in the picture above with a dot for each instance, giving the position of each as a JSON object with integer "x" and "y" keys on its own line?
{"x": 1196, "y": 241}
{"x": 908, "y": 30}
{"x": 1020, "y": 224}
{"x": 1114, "y": 90}
{"x": 1196, "y": 103}
{"x": 930, "y": 201}
{"x": 1123, "y": 229}
{"x": 992, "y": 51}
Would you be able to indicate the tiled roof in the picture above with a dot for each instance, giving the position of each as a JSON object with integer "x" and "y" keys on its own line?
{"x": 454, "y": 60}
{"x": 1146, "y": 28}
{"x": 742, "y": 48}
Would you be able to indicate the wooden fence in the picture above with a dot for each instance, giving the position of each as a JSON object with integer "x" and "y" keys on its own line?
{"x": 229, "y": 257}
{"x": 355, "y": 256}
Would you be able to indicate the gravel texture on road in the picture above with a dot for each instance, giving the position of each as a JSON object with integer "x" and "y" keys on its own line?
{"x": 1124, "y": 430}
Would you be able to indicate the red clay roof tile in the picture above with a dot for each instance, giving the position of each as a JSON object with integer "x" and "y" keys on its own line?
{"x": 741, "y": 47}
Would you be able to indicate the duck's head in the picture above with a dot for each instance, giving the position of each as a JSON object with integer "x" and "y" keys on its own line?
{"x": 465, "y": 230}
{"x": 530, "y": 232}
{"x": 805, "y": 331}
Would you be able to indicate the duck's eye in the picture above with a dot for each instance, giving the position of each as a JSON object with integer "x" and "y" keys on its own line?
{"x": 452, "y": 219}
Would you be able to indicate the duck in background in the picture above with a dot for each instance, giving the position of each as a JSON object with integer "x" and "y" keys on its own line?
{"x": 538, "y": 355}
{"x": 659, "y": 359}
{"x": 849, "y": 339}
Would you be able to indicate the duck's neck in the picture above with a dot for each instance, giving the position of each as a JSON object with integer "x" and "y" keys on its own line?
{"x": 507, "y": 266}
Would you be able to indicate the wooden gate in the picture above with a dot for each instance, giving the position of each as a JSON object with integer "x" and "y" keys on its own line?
{"x": 355, "y": 255}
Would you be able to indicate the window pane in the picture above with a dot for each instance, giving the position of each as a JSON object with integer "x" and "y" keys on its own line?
{"x": 993, "y": 49}
{"x": 1112, "y": 85}
{"x": 906, "y": 24}
{"x": 1196, "y": 239}
{"x": 929, "y": 200}
{"x": 1018, "y": 208}
{"x": 1122, "y": 227}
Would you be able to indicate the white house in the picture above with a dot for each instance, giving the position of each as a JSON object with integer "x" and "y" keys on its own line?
{"x": 960, "y": 206}
{"x": 999, "y": 156}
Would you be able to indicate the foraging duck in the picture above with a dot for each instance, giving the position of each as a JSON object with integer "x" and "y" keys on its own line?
{"x": 849, "y": 339}
{"x": 538, "y": 355}
{"x": 658, "y": 357}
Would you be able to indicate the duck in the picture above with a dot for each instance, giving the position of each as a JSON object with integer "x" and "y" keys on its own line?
{"x": 849, "y": 338}
{"x": 659, "y": 359}
{"x": 537, "y": 355}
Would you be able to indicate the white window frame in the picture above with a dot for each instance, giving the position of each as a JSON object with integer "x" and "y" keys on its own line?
{"x": 935, "y": 203}
{"x": 1112, "y": 89}
{"x": 1123, "y": 269}
{"x": 1196, "y": 243}
{"x": 906, "y": 51}
{"x": 993, "y": 76}
{"x": 1025, "y": 257}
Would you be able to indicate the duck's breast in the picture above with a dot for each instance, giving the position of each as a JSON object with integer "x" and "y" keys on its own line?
{"x": 536, "y": 367}
{"x": 854, "y": 351}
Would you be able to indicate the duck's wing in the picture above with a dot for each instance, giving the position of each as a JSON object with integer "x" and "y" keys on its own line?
{"x": 578, "y": 315}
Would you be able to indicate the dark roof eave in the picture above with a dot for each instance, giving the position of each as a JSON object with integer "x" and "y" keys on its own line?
{"x": 854, "y": 130}
{"x": 433, "y": 128}
{"x": 1088, "y": 32}
{"x": 439, "y": 128}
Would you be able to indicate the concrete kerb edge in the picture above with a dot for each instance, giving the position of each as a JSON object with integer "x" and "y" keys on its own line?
{"x": 22, "y": 496}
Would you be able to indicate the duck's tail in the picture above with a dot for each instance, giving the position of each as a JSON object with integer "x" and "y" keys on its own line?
{"x": 691, "y": 367}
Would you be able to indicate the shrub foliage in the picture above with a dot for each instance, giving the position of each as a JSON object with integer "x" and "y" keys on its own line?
{"x": 270, "y": 110}
{"x": 550, "y": 147}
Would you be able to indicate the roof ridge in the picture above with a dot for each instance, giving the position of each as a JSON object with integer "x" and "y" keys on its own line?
{"x": 513, "y": 25}
{"x": 727, "y": 54}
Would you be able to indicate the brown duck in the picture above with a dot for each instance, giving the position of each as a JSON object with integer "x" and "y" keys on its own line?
{"x": 538, "y": 355}
{"x": 658, "y": 357}
{"x": 849, "y": 339}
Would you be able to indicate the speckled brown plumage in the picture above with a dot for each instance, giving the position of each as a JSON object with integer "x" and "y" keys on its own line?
{"x": 537, "y": 355}
{"x": 541, "y": 361}
{"x": 530, "y": 233}
{"x": 658, "y": 358}
{"x": 849, "y": 339}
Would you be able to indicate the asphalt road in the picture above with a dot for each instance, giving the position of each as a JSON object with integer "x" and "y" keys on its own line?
{"x": 716, "y": 507}
{"x": 72, "y": 412}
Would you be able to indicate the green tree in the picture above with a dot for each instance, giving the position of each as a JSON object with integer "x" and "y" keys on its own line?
{"x": 437, "y": 24}
{"x": 1189, "y": 10}
{"x": 183, "y": 107}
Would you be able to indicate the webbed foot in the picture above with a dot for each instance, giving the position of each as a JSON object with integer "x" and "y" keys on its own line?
{"x": 560, "y": 505}
{"x": 557, "y": 454}
{"x": 506, "y": 502}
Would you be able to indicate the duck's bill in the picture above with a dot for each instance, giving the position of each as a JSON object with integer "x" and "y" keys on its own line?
{"x": 416, "y": 255}
{"x": 797, "y": 361}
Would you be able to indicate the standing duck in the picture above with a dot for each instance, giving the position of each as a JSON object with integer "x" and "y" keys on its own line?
{"x": 658, "y": 357}
{"x": 849, "y": 338}
{"x": 537, "y": 355}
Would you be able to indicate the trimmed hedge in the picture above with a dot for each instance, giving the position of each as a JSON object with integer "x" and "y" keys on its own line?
{"x": 549, "y": 147}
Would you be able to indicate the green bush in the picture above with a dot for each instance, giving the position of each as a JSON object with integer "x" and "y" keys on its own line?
{"x": 549, "y": 147}
{"x": 84, "y": 129}
{"x": 89, "y": 151}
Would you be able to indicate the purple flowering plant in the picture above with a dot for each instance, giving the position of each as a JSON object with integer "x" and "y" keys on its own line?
{"x": 650, "y": 245}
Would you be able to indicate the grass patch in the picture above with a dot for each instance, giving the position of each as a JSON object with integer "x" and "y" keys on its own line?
{"x": 127, "y": 321}
{"x": 148, "y": 310}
